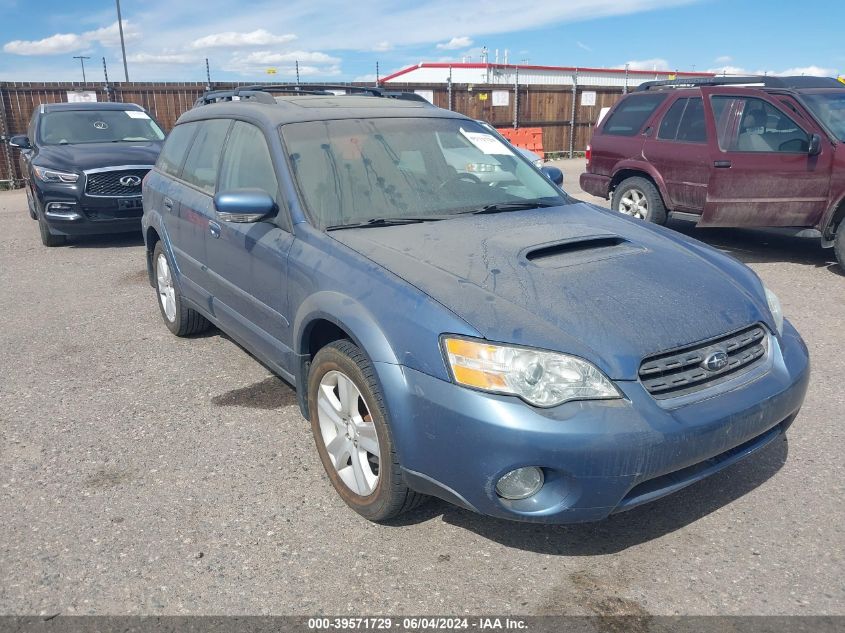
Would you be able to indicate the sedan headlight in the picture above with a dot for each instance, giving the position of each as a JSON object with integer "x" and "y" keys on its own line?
{"x": 775, "y": 308}
{"x": 543, "y": 379}
{"x": 51, "y": 175}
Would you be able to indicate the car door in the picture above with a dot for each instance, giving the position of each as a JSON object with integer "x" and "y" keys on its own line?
{"x": 248, "y": 261}
{"x": 680, "y": 153}
{"x": 763, "y": 173}
{"x": 194, "y": 192}
{"x": 161, "y": 188}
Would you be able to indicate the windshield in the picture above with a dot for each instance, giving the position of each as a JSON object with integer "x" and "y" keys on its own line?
{"x": 830, "y": 109}
{"x": 357, "y": 170}
{"x": 98, "y": 126}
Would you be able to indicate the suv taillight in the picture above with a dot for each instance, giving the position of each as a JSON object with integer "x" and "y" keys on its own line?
{"x": 588, "y": 154}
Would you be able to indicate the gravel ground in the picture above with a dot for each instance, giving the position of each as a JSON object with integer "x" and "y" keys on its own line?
{"x": 145, "y": 474}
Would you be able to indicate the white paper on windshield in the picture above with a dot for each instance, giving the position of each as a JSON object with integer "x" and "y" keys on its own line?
{"x": 136, "y": 114}
{"x": 487, "y": 143}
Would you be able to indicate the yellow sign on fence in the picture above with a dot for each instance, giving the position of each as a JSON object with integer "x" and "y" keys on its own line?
{"x": 271, "y": 71}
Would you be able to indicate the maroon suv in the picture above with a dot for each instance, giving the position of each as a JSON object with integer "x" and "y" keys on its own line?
{"x": 727, "y": 151}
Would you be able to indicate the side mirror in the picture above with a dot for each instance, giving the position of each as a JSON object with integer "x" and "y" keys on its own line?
{"x": 553, "y": 174}
{"x": 815, "y": 145}
{"x": 243, "y": 205}
{"x": 20, "y": 141}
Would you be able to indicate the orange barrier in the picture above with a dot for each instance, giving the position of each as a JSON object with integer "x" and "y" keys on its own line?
{"x": 525, "y": 137}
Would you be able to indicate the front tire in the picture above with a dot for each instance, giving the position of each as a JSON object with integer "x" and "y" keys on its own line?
{"x": 839, "y": 244}
{"x": 353, "y": 436}
{"x": 47, "y": 238}
{"x": 639, "y": 198}
{"x": 179, "y": 318}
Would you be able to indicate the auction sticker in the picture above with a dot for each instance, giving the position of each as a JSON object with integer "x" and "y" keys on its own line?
{"x": 136, "y": 114}
{"x": 487, "y": 143}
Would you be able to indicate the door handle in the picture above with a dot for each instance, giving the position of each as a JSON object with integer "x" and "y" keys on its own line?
{"x": 168, "y": 203}
{"x": 722, "y": 164}
{"x": 214, "y": 229}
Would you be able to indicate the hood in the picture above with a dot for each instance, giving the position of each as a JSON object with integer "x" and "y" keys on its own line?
{"x": 572, "y": 279}
{"x": 82, "y": 156}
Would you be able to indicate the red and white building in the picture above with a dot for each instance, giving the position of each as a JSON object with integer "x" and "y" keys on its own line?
{"x": 506, "y": 74}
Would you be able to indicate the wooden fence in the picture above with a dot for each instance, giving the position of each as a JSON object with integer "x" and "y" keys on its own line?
{"x": 565, "y": 129}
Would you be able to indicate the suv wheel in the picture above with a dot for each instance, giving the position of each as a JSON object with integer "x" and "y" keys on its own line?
{"x": 47, "y": 238}
{"x": 30, "y": 203}
{"x": 353, "y": 437}
{"x": 839, "y": 244}
{"x": 180, "y": 319}
{"x": 639, "y": 198}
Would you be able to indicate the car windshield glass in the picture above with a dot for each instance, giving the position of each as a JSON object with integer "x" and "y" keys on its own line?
{"x": 98, "y": 126}
{"x": 830, "y": 108}
{"x": 354, "y": 171}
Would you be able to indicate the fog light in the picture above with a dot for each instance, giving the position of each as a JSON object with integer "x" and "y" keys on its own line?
{"x": 62, "y": 210}
{"x": 520, "y": 483}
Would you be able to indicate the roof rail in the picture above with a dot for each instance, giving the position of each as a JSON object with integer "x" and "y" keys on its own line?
{"x": 262, "y": 93}
{"x": 754, "y": 80}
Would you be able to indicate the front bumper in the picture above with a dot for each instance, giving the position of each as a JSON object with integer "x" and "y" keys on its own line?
{"x": 87, "y": 215}
{"x": 598, "y": 457}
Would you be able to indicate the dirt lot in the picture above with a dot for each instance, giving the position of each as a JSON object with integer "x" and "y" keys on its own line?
{"x": 142, "y": 473}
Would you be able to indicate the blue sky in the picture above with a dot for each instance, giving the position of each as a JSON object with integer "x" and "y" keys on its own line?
{"x": 341, "y": 40}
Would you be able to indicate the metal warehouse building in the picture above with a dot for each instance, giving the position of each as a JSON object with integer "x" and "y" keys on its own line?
{"x": 524, "y": 74}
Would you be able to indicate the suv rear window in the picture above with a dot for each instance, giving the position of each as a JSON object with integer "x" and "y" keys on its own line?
{"x": 684, "y": 122}
{"x": 175, "y": 147}
{"x": 631, "y": 114}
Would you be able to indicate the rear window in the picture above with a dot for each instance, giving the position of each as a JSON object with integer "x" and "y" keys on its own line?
{"x": 204, "y": 158}
{"x": 684, "y": 122}
{"x": 631, "y": 114}
{"x": 175, "y": 147}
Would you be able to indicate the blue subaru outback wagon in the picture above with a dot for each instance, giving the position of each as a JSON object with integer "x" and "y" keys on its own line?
{"x": 497, "y": 344}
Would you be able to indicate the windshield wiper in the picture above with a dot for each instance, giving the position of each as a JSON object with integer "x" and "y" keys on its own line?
{"x": 504, "y": 207}
{"x": 387, "y": 222}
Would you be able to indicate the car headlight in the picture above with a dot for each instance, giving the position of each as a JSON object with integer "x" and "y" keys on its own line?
{"x": 51, "y": 175}
{"x": 775, "y": 308}
{"x": 543, "y": 379}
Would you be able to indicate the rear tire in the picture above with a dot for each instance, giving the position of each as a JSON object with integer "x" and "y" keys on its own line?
{"x": 347, "y": 412}
{"x": 839, "y": 244}
{"x": 179, "y": 318}
{"x": 639, "y": 198}
{"x": 47, "y": 238}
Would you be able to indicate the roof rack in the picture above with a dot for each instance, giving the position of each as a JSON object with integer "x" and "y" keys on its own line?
{"x": 754, "y": 80}
{"x": 263, "y": 93}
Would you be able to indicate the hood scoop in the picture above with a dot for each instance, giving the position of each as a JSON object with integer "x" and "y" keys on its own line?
{"x": 580, "y": 250}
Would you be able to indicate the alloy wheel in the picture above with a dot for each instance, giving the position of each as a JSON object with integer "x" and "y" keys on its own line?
{"x": 348, "y": 433}
{"x": 166, "y": 291}
{"x": 634, "y": 203}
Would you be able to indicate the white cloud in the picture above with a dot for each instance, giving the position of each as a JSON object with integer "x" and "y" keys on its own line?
{"x": 234, "y": 39}
{"x": 817, "y": 71}
{"x": 455, "y": 43}
{"x": 264, "y": 58}
{"x": 656, "y": 63}
{"x": 62, "y": 43}
{"x": 583, "y": 46}
{"x": 163, "y": 58}
{"x": 53, "y": 45}
{"x": 382, "y": 47}
{"x": 724, "y": 59}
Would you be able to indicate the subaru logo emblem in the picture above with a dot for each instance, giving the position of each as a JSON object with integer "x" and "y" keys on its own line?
{"x": 715, "y": 360}
{"x": 130, "y": 181}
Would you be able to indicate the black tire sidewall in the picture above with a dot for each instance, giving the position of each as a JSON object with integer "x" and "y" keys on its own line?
{"x": 839, "y": 245}
{"x": 338, "y": 356}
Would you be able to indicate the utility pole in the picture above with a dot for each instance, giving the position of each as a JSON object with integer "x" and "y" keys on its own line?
{"x": 297, "y": 72}
{"x": 625, "y": 89}
{"x": 82, "y": 59}
{"x": 449, "y": 86}
{"x": 207, "y": 75}
{"x": 122, "y": 42}
{"x": 377, "y": 77}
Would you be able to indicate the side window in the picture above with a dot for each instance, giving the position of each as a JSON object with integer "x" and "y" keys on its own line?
{"x": 631, "y": 114}
{"x": 748, "y": 124}
{"x": 175, "y": 147}
{"x": 669, "y": 125}
{"x": 693, "y": 128}
{"x": 247, "y": 163}
{"x": 204, "y": 158}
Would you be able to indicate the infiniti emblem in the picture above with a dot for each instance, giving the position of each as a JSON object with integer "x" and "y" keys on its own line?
{"x": 130, "y": 181}
{"x": 715, "y": 360}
